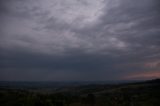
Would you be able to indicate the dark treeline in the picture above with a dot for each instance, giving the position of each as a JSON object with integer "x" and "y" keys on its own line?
{"x": 137, "y": 94}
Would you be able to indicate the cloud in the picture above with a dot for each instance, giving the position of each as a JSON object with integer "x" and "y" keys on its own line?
{"x": 92, "y": 40}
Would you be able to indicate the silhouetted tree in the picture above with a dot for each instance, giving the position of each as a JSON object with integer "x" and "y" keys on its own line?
{"x": 91, "y": 99}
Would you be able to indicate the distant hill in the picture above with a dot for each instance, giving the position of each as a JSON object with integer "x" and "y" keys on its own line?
{"x": 52, "y": 85}
{"x": 153, "y": 81}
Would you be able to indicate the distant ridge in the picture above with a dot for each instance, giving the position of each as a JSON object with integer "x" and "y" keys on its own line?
{"x": 153, "y": 81}
{"x": 25, "y": 84}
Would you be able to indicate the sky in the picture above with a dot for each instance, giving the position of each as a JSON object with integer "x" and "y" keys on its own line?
{"x": 79, "y": 40}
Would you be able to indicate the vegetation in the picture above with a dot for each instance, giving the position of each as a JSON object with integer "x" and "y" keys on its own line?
{"x": 135, "y": 94}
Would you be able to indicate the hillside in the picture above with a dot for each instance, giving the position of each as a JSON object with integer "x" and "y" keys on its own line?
{"x": 145, "y": 93}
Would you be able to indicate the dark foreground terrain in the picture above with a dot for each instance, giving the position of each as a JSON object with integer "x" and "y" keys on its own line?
{"x": 37, "y": 94}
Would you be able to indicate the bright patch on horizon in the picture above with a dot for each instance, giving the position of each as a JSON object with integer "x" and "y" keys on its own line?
{"x": 145, "y": 75}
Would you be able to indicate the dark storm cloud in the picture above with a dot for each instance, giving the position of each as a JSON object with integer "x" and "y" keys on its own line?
{"x": 79, "y": 40}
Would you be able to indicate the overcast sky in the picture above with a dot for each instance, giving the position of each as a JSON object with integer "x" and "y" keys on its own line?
{"x": 79, "y": 40}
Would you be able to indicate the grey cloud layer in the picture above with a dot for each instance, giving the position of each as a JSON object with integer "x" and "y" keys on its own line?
{"x": 86, "y": 39}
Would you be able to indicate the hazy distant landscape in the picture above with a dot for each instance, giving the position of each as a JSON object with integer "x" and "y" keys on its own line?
{"x": 146, "y": 93}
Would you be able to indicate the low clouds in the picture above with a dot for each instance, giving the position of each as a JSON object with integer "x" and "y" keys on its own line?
{"x": 78, "y": 39}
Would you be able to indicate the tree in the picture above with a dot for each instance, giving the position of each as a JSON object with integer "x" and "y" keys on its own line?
{"x": 91, "y": 99}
